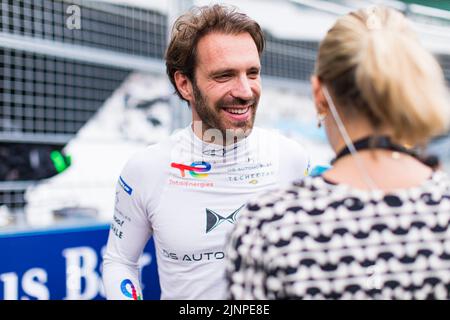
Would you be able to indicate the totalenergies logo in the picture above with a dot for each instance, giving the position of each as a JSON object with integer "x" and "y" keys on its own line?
{"x": 126, "y": 292}
{"x": 194, "y": 169}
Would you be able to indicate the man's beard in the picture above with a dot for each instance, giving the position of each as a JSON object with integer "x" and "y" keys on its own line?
{"x": 211, "y": 117}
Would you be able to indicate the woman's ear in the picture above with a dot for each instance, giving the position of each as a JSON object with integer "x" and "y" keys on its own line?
{"x": 318, "y": 96}
{"x": 184, "y": 86}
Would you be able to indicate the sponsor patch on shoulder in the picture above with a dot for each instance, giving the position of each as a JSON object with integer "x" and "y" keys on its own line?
{"x": 318, "y": 170}
{"x": 125, "y": 186}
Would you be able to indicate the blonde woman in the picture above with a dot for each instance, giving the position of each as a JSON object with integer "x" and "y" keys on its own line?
{"x": 376, "y": 225}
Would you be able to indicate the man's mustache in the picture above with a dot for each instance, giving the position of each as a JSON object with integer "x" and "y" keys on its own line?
{"x": 237, "y": 102}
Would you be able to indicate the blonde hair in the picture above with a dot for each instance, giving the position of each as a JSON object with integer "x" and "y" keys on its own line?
{"x": 374, "y": 66}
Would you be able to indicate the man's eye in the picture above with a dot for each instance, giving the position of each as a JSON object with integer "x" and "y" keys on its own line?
{"x": 253, "y": 74}
{"x": 223, "y": 77}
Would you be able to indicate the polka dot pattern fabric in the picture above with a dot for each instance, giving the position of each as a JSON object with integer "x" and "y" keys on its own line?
{"x": 318, "y": 240}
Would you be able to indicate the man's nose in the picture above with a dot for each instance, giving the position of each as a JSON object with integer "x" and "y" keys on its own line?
{"x": 242, "y": 88}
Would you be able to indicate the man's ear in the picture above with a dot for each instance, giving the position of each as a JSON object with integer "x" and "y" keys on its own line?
{"x": 184, "y": 85}
{"x": 319, "y": 99}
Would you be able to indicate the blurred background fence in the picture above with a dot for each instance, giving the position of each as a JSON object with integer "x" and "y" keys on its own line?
{"x": 56, "y": 74}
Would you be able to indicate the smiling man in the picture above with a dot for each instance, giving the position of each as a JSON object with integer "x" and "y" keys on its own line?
{"x": 187, "y": 192}
{"x": 225, "y": 88}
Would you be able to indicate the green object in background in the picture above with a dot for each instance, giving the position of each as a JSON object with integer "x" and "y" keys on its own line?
{"x": 439, "y": 4}
{"x": 60, "y": 161}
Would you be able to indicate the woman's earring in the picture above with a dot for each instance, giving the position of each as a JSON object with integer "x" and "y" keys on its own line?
{"x": 320, "y": 118}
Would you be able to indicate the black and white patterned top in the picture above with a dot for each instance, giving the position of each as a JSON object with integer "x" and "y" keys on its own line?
{"x": 318, "y": 240}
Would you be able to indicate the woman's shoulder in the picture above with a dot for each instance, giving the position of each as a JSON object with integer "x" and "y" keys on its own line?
{"x": 300, "y": 196}
{"x": 314, "y": 195}
{"x": 305, "y": 188}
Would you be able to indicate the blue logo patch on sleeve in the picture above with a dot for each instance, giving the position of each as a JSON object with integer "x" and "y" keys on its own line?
{"x": 125, "y": 186}
{"x": 318, "y": 170}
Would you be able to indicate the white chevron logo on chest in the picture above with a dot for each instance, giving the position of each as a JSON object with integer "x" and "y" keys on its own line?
{"x": 213, "y": 219}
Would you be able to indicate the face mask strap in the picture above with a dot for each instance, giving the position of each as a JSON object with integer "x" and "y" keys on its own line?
{"x": 348, "y": 142}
